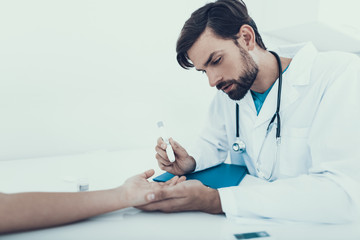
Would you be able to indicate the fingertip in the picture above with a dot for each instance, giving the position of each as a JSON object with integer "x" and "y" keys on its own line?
{"x": 173, "y": 143}
{"x": 160, "y": 141}
{"x": 149, "y": 173}
{"x": 173, "y": 180}
{"x": 181, "y": 179}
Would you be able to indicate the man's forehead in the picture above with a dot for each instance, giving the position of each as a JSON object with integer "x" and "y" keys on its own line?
{"x": 207, "y": 44}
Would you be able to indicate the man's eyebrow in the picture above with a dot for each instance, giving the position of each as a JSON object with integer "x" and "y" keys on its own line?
{"x": 209, "y": 60}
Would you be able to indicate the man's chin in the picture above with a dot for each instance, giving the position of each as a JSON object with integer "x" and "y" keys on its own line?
{"x": 236, "y": 95}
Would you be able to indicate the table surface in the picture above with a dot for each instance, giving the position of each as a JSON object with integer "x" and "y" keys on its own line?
{"x": 110, "y": 169}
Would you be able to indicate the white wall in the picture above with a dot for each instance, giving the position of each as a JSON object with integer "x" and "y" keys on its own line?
{"x": 80, "y": 75}
{"x": 329, "y": 24}
{"x": 89, "y": 75}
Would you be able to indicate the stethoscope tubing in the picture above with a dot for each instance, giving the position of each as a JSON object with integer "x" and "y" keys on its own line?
{"x": 276, "y": 115}
{"x": 239, "y": 145}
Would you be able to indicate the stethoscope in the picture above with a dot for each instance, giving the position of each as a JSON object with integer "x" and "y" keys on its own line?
{"x": 239, "y": 145}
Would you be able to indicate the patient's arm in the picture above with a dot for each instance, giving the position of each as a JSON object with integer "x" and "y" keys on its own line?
{"x": 23, "y": 211}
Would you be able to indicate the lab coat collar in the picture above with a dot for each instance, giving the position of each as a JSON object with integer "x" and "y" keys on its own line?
{"x": 248, "y": 102}
{"x": 303, "y": 56}
{"x": 298, "y": 74}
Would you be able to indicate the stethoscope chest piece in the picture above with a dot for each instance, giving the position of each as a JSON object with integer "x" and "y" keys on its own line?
{"x": 239, "y": 146}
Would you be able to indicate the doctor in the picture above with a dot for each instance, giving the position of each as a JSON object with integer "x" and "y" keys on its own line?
{"x": 294, "y": 120}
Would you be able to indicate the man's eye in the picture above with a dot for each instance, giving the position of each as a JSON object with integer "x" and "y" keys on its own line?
{"x": 217, "y": 61}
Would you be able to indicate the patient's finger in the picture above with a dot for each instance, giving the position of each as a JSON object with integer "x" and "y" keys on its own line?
{"x": 181, "y": 179}
{"x": 175, "y": 180}
{"x": 148, "y": 173}
{"x": 172, "y": 181}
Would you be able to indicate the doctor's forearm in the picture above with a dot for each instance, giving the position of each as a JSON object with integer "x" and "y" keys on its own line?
{"x": 305, "y": 198}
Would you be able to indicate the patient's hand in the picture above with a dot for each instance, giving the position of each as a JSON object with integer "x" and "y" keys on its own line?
{"x": 137, "y": 190}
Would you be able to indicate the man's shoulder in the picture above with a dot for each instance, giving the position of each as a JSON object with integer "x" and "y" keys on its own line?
{"x": 332, "y": 66}
{"x": 335, "y": 63}
{"x": 337, "y": 57}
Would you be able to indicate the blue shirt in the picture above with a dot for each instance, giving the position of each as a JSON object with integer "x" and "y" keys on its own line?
{"x": 259, "y": 98}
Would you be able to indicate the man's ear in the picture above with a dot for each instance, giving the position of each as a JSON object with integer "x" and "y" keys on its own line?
{"x": 246, "y": 37}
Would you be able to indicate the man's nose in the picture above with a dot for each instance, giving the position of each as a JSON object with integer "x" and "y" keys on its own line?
{"x": 214, "y": 78}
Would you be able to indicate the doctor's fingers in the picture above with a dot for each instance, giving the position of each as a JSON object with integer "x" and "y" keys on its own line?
{"x": 162, "y": 161}
{"x": 161, "y": 152}
{"x": 161, "y": 144}
{"x": 174, "y": 191}
{"x": 165, "y": 168}
{"x": 160, "y": 148}
{"x": 168, "y": 205}
{"x": 175, "y": 145}
{"x": 178, "y": 149}
{"x": 163, "y": 195}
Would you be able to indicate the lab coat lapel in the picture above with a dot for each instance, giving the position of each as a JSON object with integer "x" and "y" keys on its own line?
{"x": 298, "y": 74}
{"x": 289, "y": 94}
{"x": 247, "y": 103}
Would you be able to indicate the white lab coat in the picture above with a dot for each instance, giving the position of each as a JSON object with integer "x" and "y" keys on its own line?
{"x": 317, "y": 177}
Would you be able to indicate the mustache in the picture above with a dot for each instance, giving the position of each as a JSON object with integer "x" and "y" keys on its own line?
{"x": 225, "y": 83}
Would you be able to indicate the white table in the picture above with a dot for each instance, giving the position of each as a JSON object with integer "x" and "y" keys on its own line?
{"x": 110, "y": 169}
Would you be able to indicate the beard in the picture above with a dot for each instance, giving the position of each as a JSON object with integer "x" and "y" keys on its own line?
{"x": 244, "y": 82}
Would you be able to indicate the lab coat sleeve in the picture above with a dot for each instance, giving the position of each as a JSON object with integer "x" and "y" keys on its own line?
{"x": 211, "y": 147}
{"x": 330, "y": 192}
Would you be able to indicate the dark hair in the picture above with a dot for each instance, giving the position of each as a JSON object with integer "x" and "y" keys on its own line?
{"x": 224, "y": 17}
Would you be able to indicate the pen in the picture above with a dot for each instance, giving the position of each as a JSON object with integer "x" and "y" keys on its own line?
{"x": 169, "y": 150}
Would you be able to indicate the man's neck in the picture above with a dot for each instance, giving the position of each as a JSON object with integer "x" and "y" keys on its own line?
{"x": 268, "y": 71}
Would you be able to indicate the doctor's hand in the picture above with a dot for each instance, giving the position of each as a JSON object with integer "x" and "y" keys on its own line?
{"x": 183, "y": 164}
{"x": 189, "y": 195}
